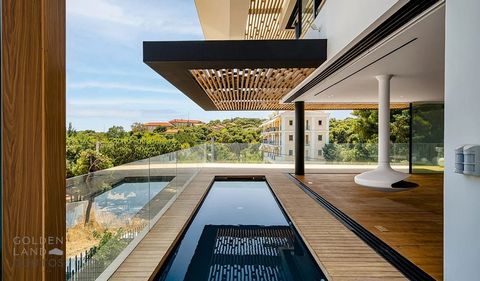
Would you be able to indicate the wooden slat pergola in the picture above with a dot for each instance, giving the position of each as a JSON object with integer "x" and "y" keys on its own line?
{"x": 242, "y": 74}
{"x": 237, "y": 74}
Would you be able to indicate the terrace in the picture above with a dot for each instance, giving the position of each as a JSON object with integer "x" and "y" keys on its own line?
{"x": 129, "y": 222}
{"x": 144, "y": 232}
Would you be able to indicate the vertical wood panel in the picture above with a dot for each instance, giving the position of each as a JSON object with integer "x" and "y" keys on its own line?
{"x": 33, "y": 138}
{"x": 54, "y": 133}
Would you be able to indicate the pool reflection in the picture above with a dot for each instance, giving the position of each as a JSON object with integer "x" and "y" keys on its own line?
{"x": 240, "y": 233}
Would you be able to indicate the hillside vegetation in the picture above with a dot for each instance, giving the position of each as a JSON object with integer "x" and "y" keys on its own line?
{"x": 89, "y": 151}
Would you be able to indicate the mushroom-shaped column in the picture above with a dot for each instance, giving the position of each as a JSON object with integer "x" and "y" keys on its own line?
{"x": 383, "y": 177}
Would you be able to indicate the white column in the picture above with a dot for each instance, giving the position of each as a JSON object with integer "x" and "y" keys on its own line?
{"x": 384, "y": 120}
{"x": 383, "y": 177}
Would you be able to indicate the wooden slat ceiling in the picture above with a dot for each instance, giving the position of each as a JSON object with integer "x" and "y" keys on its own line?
{"x": 260, "y": 89}
{"x": 264, "y": 17}
{"x": 249, "y": 89}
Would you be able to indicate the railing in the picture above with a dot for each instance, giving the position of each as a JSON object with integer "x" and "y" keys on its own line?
{"x": 271, "y": 142}
{"x": 82, "y": 262}
{"x": 110, "y": 211}
{"x": 425, "y": 156}
{"x": 271, "y": 129}
{"x": 84, "y": 266}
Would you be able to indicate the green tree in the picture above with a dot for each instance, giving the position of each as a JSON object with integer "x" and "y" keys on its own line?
{"x": 79, "y": 142}
{"x": 116, "y": 132}
{"x": 91, "y": 161}
{"x": 331, "y": 152}
{"x": 428, "y": 121}
{"x": 399, "y": 127}
{"x": 138, "y": 147}
{"x": 365, "y": 127}
{"x": 70, "y": 130}
{"x": 160, "y": 129}
{"x": 138, "y": 128}
{"x": 341, "y": 131}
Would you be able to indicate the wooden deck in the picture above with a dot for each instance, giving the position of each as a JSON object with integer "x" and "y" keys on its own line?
{"x": 411, "y": 222}
{"x": 339, "y": 252}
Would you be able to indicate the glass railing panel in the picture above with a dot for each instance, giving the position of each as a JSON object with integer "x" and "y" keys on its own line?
{"x": 428, "y": 157}
{"x": 339, "y": 154}
{"x": 163, "y": 185}
{"x": 102, "y": 217}
{"x": 189, "y": 162}
{"x": 236, "y": 153}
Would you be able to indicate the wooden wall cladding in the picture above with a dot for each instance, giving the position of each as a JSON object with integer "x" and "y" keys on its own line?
{"x": 33, "y": 139}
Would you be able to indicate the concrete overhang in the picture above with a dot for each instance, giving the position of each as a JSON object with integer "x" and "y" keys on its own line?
{"x": 412, "y": 50}
{"x": 237, "y": 74}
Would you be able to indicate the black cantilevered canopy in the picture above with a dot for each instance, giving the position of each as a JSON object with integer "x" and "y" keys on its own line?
{"x": 236, "y": 75}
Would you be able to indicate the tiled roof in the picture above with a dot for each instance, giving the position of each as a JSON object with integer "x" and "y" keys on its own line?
{"x": 192, "y": 121}
{"x": 157, "y": 124}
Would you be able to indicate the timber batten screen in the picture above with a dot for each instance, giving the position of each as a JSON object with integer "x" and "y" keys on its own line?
{"x": 236, "y": 74}
{"x": 264, "y": 19}
{"x": 249, "y": 89}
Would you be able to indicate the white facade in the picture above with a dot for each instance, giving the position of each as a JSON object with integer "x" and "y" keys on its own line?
{"x": 462, "y": 101}
{"x": 341, "y": 21}
{"x": 279, "y": 135}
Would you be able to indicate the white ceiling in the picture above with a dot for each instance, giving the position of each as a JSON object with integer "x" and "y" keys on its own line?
{"x": 222, "y": 19}
{"x": 418, "y": 68}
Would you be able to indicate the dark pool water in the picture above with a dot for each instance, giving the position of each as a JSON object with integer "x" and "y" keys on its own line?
{"x": 240, "y": 233}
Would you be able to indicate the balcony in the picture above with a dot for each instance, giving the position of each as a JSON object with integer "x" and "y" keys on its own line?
{"x": 272, "y": 129}
{"x": 274, "y": 143}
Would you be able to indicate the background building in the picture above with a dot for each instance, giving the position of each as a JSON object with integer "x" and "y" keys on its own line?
{"x": 153, "y": 125}
{"x": 172, "y": 125}
{"x": 185, "y": 122}
{"x": 279, "y": 135}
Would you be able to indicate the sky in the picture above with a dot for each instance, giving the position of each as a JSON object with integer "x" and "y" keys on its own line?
{"x": 108, "y": 83}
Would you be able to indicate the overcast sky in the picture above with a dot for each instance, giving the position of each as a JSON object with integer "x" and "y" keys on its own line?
{"x": 107, "y": 82}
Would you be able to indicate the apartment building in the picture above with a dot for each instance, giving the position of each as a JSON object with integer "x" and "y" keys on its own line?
{"x": 279, "y": 135}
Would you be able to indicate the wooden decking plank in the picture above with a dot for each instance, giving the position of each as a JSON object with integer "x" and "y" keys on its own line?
{"x": 412, "y": 221}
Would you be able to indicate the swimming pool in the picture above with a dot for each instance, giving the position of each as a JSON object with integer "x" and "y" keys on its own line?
{"x": 240, "y": 232}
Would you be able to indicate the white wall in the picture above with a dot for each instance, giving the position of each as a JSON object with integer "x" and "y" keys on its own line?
{"x": 462, "y": 104}
{"x": 340, "y": 21}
